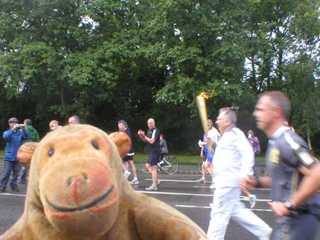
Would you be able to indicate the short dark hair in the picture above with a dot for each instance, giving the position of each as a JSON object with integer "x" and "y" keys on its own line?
{"x": 28, "y": 122}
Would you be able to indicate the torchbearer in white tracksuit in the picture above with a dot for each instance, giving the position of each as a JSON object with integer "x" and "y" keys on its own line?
{"x": 233, "y": 159}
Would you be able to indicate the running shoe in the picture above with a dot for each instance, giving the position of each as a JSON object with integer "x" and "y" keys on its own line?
{"x": 252, "y": 200}
{"x": 212, "y": 186}
{"x": 152, "y": 188}
{"x": 15, "y": 189}
{"x": 134, "y": 181}
{"x": 127, "y": 173}
{"x": 201, "y": 180}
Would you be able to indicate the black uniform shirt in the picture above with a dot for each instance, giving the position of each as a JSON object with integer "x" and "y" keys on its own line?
{"x": 155, "y": 147}
{"x": 284, "y": 165}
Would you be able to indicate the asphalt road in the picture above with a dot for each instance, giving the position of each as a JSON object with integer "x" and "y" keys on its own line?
{"x": 179, "y": 191}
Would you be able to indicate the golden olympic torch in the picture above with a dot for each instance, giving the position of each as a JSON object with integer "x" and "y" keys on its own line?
{"x": 202, "y": 109}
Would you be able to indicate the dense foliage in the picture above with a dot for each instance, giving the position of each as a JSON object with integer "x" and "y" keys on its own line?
{"x": 107, "y": 60}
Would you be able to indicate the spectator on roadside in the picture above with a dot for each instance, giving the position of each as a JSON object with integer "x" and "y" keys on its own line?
{"x": 254, "y": 142}
{"x": 13, "y": 137}
{"x": 123, "y": 127}
{"x": 213, "y": 137}
{"x": 233, "y": 159}
{"x": 33, "y": 137}
{"x": 53, "y": 125}
{"x": 153, "y": 148}
{"x": 74, "y": 120}
{"x": 294, "y": 172}
{"x": 163, "y": 147}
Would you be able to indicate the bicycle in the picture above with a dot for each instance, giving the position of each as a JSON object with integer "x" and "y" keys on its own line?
{"x": 260, "y": 169}
{"x": 168, "y": 164}
{"x": 200, "y": 165}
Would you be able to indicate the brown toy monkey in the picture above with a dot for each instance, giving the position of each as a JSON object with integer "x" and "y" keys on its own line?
{"x": 77, "y": 190}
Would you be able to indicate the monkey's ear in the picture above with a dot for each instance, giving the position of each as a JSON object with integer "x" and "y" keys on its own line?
{"x": 25, "y": 153}
{"x": 123, "y": 142}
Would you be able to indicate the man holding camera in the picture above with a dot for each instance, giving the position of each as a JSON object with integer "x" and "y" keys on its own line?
{"x": 14, "y": 137}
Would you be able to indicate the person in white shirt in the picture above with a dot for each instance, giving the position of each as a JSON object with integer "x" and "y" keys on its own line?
{"x": 213, "y": 136}
{"x": 233, "y": 160}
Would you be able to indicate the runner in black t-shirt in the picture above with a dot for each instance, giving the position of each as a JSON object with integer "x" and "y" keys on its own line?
{"x": 153, "y": 148}
{"x": 128, "y": 160}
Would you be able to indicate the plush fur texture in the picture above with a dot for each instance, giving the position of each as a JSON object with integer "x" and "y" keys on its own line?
{"x": 77, "y": 190}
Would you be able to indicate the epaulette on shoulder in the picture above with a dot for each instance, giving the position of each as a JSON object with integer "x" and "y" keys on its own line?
{"x": 302, "y": 153}
{"x": 291, "y": 142}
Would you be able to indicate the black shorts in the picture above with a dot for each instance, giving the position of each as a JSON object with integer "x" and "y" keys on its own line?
{"x": 153, "y": 159}
{"x": 127, "y": 158}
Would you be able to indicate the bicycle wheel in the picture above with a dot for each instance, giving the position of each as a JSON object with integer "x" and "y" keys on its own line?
{"x": 200, "y": 166}
{"x": 143, "y": 165}
{"x": 170, "y": 165}
{"x": 260, "y": 169}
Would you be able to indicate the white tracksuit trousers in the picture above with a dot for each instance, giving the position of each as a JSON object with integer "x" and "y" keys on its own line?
{"x": 226, "y": 205}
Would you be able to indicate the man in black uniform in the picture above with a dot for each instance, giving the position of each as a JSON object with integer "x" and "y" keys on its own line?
{"x": 153, "y": 148}
{"x": 123, "y": 127}
{"x": 294, "y": 172}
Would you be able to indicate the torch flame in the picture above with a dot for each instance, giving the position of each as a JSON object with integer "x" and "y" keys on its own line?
{"x": 204, "y": 94}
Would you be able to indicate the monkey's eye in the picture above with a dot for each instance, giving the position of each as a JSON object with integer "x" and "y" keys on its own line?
{"x": 51, "y": 151}
{"x": 95, "y": 145}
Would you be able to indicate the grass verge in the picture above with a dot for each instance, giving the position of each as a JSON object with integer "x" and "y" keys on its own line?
{"x": 183, "y": 159}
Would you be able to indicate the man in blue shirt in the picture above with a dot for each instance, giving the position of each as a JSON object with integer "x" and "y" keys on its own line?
{"x": 14, "y": 137}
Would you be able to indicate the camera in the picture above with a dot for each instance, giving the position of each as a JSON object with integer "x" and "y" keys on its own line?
{"x": 18, "y": 126}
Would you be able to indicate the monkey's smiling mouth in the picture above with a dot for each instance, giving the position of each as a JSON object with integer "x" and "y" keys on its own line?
{"x": 80, "y": 208}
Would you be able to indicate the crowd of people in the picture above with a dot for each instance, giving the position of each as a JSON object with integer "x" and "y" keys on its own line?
{"x": 17, "y": 135}
{"x": 229, "y": 158}
{"x": 294, "y": 174}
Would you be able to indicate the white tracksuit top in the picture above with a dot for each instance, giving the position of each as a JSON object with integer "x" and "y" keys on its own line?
{"x": 213, "y": 134}
{"x": 234, "y": 158}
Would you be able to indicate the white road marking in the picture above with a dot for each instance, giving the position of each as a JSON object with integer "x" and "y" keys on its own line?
{"x": 174, "y": 180}
{"x": 242, "y": 198}
{"x": 202, "y": 186}
{"x": 194, "y": 206}
{"x": 174, "y": 193}
{"x": 256, "y": 189}
{"x": 13, "y": 194}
